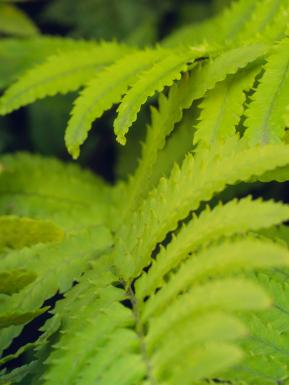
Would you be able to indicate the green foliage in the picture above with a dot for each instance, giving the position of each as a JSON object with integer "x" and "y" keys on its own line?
{"x": 19, "y": 55}
{"x": 28, "y": 189}
{"x": 61, "y": 73}
{"x": 266, "y": 125}
{"x": 15, "y": 22}
{"x": 155, "y": 279}
{"x": 100, "y": 95}
{"x": 20, "y": 232}
{"x": 129, "y": 20}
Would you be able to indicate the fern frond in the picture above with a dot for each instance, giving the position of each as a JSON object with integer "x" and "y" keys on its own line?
{"x": 177, "y": 146}
{"x": 204, "y": 77}
{"x": 93, "y": 331}
{"x": 228, "y": 294}
{"x": 82, "y": 294}
{"x": 191, "y": 309}
{"x": 207, "y": 328}
{"x": 162, "y": 74}
{"x": 265, "y": 114}
{"x": 197, "y": 180}
{"x": 155, "y": 287}
{"x": 116, "y": 348}
{"x": 92, "y": 104}
{"x": 18, "y": 55}
{"x": 100, "y": 366}
{"x": 102, "y": 92}
{"x": 170, "y": 110}
{"x": 82, "y": 353}
{"x": 107, "y": 342}
{"x": 238, "y": 217}
{"x": 62, "y": 73}
{"x": 223, "y": 106}
{"x": 163, "y": 120}
{"x": 67, "y": 261}
{"x": 227, "y": 258}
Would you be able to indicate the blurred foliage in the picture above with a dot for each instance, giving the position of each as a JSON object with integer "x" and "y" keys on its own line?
{"x": 40, "y": 127}
{"x": 129, "y": 20}
{"x": 139, "y": 22}
{"x": 13, "y": 21}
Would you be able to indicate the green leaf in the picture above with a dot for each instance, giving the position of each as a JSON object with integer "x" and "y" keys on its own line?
{"x": 102, "y": 92}
{"x": 20, "y": 318}
{"x": 56, "y": 267}
{"x": 207, "y": 361}
{"x": 163, "y": 120}
{"x": 238, "y": 217}
{"x": 62, "y": 73}
{"x": 153, "y": 80}
{"x": 27, "y": 188}
{"x": 15, "y": 280}
{"x": 198, "y": 179}
{"x": 17, "y": 232}
{"x": 222, "y": 107}
{"x": 18, "y": 55}
{"x": 265, "y": 114}
{"x": 87, "y": 333}
{"x": 227, "y": 294}
{"x": 225, "y": 259}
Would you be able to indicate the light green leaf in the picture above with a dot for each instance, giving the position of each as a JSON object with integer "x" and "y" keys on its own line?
{"x": 102, "y": 92}
{"x": 265, "y": 114}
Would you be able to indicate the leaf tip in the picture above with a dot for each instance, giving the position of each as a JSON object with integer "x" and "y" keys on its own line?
{"x": 73, "y": 151}
{"x": 121, "y": 139}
